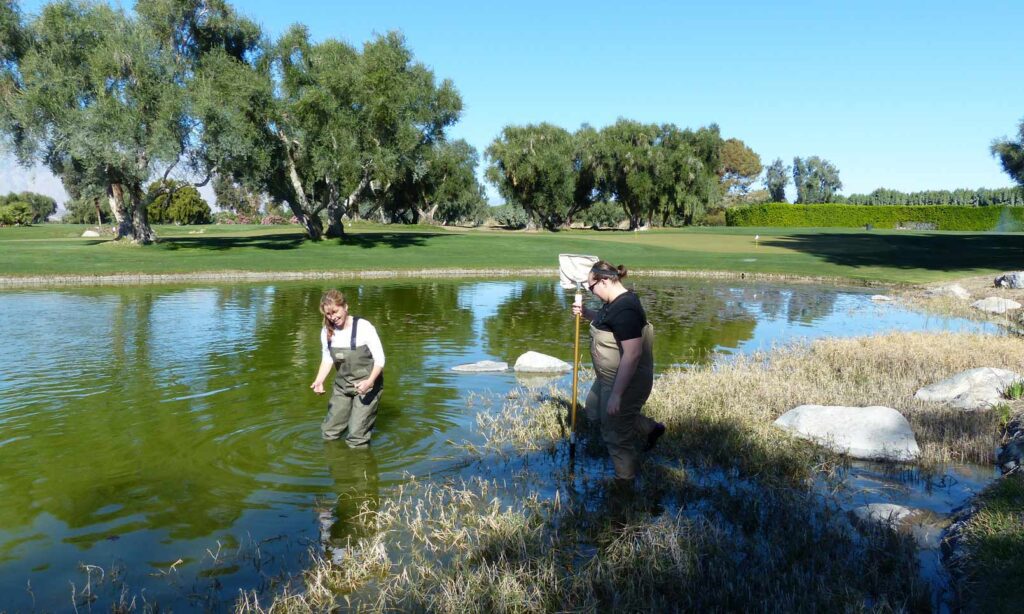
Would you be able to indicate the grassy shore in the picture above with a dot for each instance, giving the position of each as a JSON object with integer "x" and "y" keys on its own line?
{"x": 876, "y": 256}
{"x": 724, "y": 517}
{"x": 993, "y": 571}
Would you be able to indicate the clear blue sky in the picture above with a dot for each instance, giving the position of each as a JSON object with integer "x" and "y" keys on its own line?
{"x": 903, "y": 95}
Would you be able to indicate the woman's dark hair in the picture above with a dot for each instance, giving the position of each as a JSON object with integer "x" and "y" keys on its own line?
{"x": 605, "y": 270}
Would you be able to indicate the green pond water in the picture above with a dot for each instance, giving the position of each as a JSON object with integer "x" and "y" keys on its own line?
{"x": 168, "y": 434}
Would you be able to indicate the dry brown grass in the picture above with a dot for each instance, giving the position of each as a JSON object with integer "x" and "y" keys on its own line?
{"x": 487, "y": 546}
{"x": 725, "y": 412}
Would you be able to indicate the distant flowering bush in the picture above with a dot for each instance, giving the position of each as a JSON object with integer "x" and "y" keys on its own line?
{"x": 230, "y": 217}
{"x": 273, "y": 219}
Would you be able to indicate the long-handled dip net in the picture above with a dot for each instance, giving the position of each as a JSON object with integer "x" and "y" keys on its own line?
{"x": 573, "y": 272}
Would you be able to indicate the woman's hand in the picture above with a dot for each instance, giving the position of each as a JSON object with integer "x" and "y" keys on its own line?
{"x": 577, "y": 310}
{"x": 614, "y": 402}
{"x": 317, "y": 386}
{"x": 364, "y": 386}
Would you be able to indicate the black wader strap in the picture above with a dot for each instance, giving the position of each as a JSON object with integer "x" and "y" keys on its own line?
{"x": 355, "y": 324}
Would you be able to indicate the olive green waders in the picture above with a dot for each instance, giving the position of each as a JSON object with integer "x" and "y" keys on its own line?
{"x": 347, "y": 410}
{"x": 625, "y": 432}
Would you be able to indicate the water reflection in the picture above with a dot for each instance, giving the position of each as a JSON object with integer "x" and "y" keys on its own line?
{"x": 143, "y": 425}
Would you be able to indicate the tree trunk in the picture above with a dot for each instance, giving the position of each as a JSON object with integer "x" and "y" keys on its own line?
{"x": 115, "y": 195}
{"x": 299, "y": 203}
{"x": 426, "y": 215}
{"x": 350, "y": 205}
{"x": 335, "y": 227}
{"x": 143, "y": 233}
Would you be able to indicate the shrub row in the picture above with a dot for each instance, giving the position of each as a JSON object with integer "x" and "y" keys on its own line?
{"x": 852, "y": 216}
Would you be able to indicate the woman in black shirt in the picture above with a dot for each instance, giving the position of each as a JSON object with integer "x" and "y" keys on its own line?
{"x": 621, "y": 346}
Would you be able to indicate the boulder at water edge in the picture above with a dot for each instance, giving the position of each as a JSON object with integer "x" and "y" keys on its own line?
{"x": 951, "y": 290}
{"x": 535, "y": 362}
{"x": 1013, "y": 280}
{"x": 861, "y": 432}
{"x": 881, "y": 298}
{"x": 882, "y": 512}
{"x": 973, "y": 389}
{"x": 995, "y": 304}
{"x": 482, "y": 366}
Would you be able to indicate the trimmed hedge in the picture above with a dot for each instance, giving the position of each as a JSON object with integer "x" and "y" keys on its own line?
{"x": 853, "y": 216}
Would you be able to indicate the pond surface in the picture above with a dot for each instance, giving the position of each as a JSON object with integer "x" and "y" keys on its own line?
{"x": 168, "y": 436}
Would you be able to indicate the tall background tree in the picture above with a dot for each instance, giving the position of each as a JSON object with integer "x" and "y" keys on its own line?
{"x": 1011, "y": 155}
{"x": 740, "y": 168}
{"x": 102, "y": 97}
{"x": 776, "y": 176}
{"x": 533, "y": 167}
{"x": 629, "y": 165}
{"x": 322, "y": 126}
{"x": 40, "y": 206}
{"x": 440, "y": 187}
{"x": 816, "y": 180}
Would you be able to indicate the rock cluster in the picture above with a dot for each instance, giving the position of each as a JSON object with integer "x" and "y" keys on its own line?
{"x": 1014, "y": 280}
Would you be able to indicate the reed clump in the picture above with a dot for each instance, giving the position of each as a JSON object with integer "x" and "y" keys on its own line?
{"x": 485, "y": 545}
{"x": 993, "y": 547}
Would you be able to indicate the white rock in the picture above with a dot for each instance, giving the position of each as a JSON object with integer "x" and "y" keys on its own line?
{"x": 535, "y": 362}
{"x": 482, "y": 366}
{"x": 972, "y": 389}
{"x": 861, "y": 432}
{"x": 90, "y": 233}
{"x": 1013, "y": 280}
{"x": 882, "y": 512}
{"x": 995, "y": 304}
{"x": 952, "y": 290}
{"x": 881, "y": 298}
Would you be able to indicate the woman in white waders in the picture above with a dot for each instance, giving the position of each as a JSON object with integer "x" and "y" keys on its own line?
{"x": 622, "y": 348}
{"x": 350, "y": 344}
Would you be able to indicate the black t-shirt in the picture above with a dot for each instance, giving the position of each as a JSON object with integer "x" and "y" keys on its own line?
{"x": 624, "y": 317}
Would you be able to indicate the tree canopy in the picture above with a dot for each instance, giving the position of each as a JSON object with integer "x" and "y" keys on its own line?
{"x": 776, "y": 176}
{"x": 816, "y": 180}
{"x": 741, "y": 166}
{"x": 103, "y": 98}
{"x": 40, "y": 206}
{"x": 1011, "y": 155}
{"x": 324, "y": 127}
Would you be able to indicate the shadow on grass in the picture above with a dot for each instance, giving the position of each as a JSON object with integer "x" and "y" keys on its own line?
{"x": 280, "y": 241}
{"x": 286, "y": 241}
{"x": 912, "y": 251}
{"x": 394, "y": 240}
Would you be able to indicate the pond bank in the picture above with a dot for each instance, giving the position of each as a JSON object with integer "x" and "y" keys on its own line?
{"x": 940, "y": 298}
{"x": 135, "y": 279}
{"x": 725, "y": 515}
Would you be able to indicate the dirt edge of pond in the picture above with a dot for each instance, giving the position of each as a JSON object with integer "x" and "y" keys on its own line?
{"x": 120, "y": 279}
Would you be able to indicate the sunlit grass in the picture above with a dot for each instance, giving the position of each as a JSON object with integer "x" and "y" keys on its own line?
{"x": 879, "y": 256}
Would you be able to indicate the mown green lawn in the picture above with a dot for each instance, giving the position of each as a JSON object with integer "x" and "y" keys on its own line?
{"x": 885, "y": 256}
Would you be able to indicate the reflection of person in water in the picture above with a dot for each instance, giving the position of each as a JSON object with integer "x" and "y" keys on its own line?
{"x": 351, "y": 345}
{"x": 356, "y": 485}
{"x": 622, "y": 348}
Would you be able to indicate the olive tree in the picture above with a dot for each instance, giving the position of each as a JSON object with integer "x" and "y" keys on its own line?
{"x": 322, "y": 126}
{"x": 1011, "y": 155}
{"x": 533, "y": 167}
{"x": 102, "y": 97}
